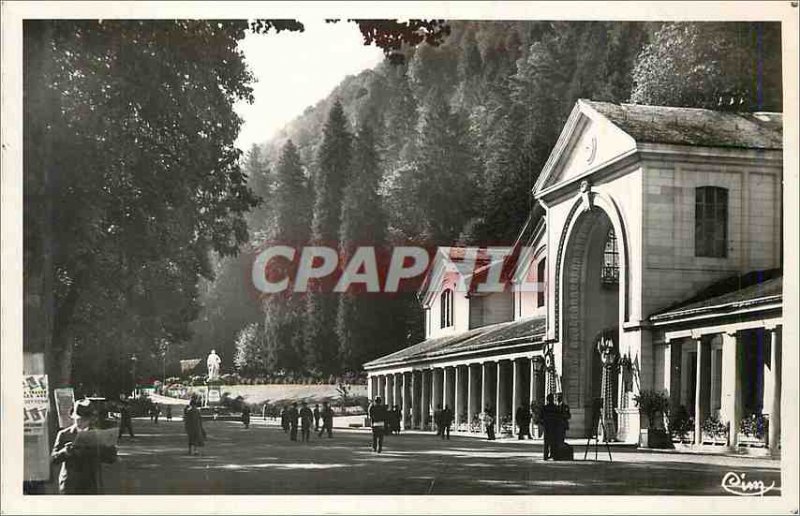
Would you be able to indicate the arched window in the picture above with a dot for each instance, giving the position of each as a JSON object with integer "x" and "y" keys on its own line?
{"x": 711, "y": 222}
{"x": 541, "y": 270}
{"x": 609, "y": 276}
{"x": 446, "y": 308}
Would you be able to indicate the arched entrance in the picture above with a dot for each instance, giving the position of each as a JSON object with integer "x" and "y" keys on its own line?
{"x": 592, "y": 276}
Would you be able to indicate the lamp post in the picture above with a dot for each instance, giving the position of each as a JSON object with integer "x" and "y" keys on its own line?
{"x": 133, "y": 373}
{"x": 608, "y": 357}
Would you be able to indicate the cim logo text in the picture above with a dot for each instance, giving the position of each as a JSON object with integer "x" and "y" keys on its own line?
{"x": 735, "y": 483}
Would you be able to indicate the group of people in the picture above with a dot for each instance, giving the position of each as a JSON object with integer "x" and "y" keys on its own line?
{"x": 443, "y": 419}
{"x": 304, "y": 418}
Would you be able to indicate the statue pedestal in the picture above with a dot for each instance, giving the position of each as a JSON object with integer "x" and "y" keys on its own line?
{"x": 213, "y": 393}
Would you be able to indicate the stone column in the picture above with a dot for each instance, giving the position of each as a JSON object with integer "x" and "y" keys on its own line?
{"x": 381, "y": 386}
{"x": 457, "y": 402}
{"x": 486, "y": 388}
{"x": 426, "y": 396}
{"x": 498, "y": 400}
{"x": 446, "y": 388}
{"x": 775, "y": 403}
{"x": 471, "y": 390}
{"x": 701, "y": 390}
{"x": 404, "y": 405}
{"x": 730, "y": 402}
{"x": 399, "y": 388}
{"x": 436, "y": 388}
{"x": 387, "y": 397}
{"x": 516, "y": 392}
{"x": 415, "y": 399}
{"x": 370, "y": 388}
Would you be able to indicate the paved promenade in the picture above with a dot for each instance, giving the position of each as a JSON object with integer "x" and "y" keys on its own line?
{"x": 262, "y": 460}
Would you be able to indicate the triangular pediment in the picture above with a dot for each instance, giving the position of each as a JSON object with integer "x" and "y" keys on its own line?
{"x": 588, "y": 142}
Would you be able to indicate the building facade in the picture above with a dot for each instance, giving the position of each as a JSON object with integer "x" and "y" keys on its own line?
{"x": 652, "y": 261}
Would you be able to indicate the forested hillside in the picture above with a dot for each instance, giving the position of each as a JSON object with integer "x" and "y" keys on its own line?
{"x": 445, "y": 147}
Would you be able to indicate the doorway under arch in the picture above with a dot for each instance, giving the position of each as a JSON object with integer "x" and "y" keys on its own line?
{"x": 592, "y": 296}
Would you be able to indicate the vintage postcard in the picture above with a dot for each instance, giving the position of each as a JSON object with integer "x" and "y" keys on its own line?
{"x": 450, "y": 257}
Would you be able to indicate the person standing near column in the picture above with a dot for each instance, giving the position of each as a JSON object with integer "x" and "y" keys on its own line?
{"x": 447, "y": 421}
{"x": 550, "y": 421}
{"x": 523, "y": 417}
{"x": 378, "y": 415}
{"x": 193, "y": 425}
{"x": 488, "y": 422}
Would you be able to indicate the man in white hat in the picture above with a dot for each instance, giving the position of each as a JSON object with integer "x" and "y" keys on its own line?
{"x": 80, "y": 465}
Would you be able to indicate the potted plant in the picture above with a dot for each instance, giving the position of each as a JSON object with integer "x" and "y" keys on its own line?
{"x": 653, "y": 404}
{"x": 680, "y": 424}
{"x": 753, "y": 429}
{"x": 714, "y": 430}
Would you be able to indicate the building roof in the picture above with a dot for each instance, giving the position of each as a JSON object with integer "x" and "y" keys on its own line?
{"x": 486, "y": 337}
{"x": 693, "y": 126}
{"x": 735, "y": 292}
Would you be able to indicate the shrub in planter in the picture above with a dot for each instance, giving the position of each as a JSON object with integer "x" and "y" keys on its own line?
{"x": 651, "y": 404}
{"x": 755, "y": 426}
{"x": 680, "y": 423}
{"x": 715, "y": 429}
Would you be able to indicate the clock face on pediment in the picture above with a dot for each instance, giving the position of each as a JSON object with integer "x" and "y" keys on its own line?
{"x": 590, "y": 149}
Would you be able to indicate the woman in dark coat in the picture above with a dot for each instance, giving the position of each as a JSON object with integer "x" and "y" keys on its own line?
{"x": 193, "y": 423}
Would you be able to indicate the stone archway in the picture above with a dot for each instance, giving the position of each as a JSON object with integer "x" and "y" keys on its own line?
{"x": 590, "y": 306}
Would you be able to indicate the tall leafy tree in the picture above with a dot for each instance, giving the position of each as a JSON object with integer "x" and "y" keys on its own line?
{"x": 723, "y": 66}
{"x": 364, "y": 319}
{"x": 131, "y": 175}
{"x": 333, "y": 167}
{"x": 283, "y": 313}
{"x": 445, "y": 185}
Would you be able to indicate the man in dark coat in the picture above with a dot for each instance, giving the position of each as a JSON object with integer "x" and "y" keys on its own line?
{"x": 80, "y": 465}
{"x": 292, "y": 415}
{"x": 327, "y": 419}
{"x": 125, "y": 420}
{"x": 447, "y": 422}
{"x": 306, "y": 418}
{"x": 523, "y": 417}
{"x": 437, "y": 420}
{"x": 317, "y": 415}
{"x": 246, "y": 416}
{"x": 378, "y": 415}
{"x": 550, "y": 421}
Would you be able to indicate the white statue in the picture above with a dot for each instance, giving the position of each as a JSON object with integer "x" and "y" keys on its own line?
{"x": 213, "y": 362}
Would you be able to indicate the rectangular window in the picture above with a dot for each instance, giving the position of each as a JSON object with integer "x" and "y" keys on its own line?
{"x": 711, "y": 222}
{"x": 541, "y": 269}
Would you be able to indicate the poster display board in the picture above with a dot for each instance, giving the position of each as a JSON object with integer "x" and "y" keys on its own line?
{"x": 35, "y": 408}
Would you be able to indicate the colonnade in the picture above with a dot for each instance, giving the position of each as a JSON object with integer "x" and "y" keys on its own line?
{"x": 497, "y": 385}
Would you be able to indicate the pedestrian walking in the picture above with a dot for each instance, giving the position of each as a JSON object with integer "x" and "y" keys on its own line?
{"x": 193, "y": 425}
{"x": 488, "y": 422}
{"x": 447, "y": 421}
{"x": 285, "y": 418}
{"x": 523, "y": 417}
{"x": 326, "y": 414}
{"x": 168, "y": 412}
{"x": 378, "y": 415}
{"x": 292, "y": 414}
{"x": 437, "y": 419}
{"x": 81, "y": 465}
{"x": 317, "y": 416}
{"x": 397, "y": 419}
{"x": 306, "y": 419}
{"x": 246, "y": 416}
{"x": 125, "y": 419}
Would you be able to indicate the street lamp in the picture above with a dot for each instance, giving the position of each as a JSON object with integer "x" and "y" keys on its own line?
{"x": 133, "y": 373}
